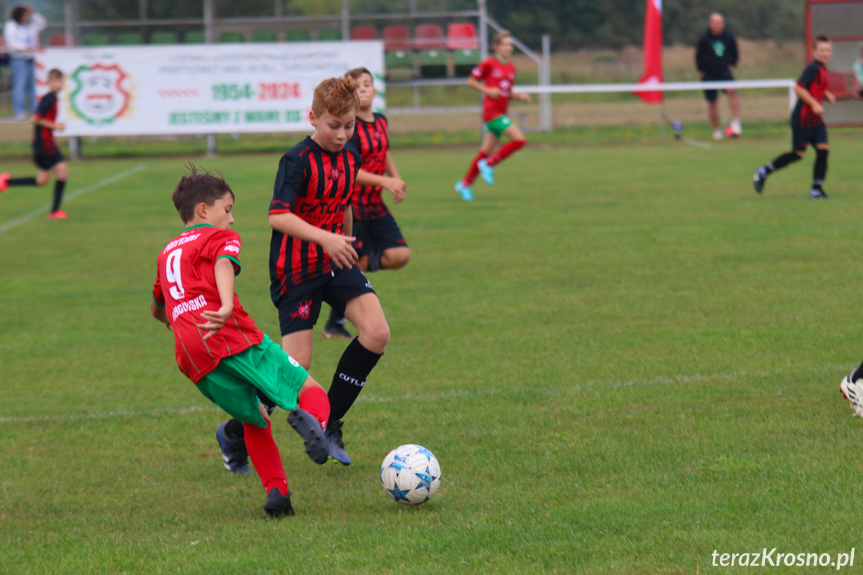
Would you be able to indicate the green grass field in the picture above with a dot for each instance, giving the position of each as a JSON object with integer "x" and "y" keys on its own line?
{"x": 623, "y": 358}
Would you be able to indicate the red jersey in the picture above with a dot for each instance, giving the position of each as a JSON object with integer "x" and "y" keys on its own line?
{"x": 186, "y": 286}
{"x": 495, "y": 74}
{"x": 43, "y": 138}
{"x": 316, "y": 186}
{"x": 372, "y": 141}
{"x": 814, "y": 80}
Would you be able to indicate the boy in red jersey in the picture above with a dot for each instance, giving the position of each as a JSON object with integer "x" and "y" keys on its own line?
{"x": 311, "y": 253}
{"x": 807, "y": 124}
{"x": 380, "y": 243}
{"x": 498, "y": 73}
{"x": 217, "y": 345}
{"x": 46, "y": 155}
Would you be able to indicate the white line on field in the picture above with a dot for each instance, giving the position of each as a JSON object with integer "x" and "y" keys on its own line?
{"x": 77, "y": 193}
{"x": 462, "y": 392}
{"x": 697, "y": 144}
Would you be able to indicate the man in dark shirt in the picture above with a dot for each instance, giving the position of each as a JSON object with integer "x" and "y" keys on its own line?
{"x": 807, "y": 124}
{"x": 715, "y": 57}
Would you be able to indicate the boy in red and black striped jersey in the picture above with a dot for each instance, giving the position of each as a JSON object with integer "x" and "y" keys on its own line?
{"x": 46, "y": 155}
{"x": 216, "y": 343}
{"x": 380, "y": 243}
{"x": 807, "y": 124}
{"x": 311, "y": 254}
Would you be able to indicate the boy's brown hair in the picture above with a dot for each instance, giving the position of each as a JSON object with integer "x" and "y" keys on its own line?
{"x": 356, "y": 73}
{"x": 55, "y": 74}
{"x": 500, "y": 37}
{"x": 195, "y": 187}
{"x": 820, "y": 40}
{"x": 338, "y": 96}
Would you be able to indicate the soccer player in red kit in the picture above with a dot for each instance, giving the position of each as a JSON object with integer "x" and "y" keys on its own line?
{"x": 807, "y": 124}
{"x": 311, "y": 254}
{"x": 380, "y": 243}
{"x": 217, "y": 345}
{"x": 46, "y": 155}
{"x": 498, "y": 75}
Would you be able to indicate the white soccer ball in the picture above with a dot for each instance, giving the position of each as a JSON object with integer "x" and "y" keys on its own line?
{"x": 410, "y": 474}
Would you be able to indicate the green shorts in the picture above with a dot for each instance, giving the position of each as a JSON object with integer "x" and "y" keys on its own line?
{"x": 499, "y": 125}
{"x": 234, "y": 383}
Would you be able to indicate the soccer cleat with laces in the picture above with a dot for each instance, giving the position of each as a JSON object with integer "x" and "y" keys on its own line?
{"x": 312, "y": 433}
{"x": 4, "y": 181}
{"x": 853, "y": 392}
{"x": 234, "y": 454}
{"x": 278, "y": 505}
{"x": 464, "y": 191}
{"x": 486, "y": 171}
{"x": 335, "y": 443}
{"x": 759, "y": 178}
{"x": 334, "y": 330}
{"x": 57, "y": 215}
{"x": 817, "y": 194}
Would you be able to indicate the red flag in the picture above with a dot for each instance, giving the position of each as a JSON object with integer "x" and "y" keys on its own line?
{"x": 652, "y": 51}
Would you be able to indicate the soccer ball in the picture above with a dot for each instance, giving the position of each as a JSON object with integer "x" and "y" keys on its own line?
{"x": 410, "y": 474}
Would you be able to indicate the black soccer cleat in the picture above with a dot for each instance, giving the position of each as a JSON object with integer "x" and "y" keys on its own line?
{"x": 335, "y": 444}
{"x": 278, "y": 505}
{"x": 759, "y": 178}
{"x": 312, "y": 433}
{"x": 333, "y": 330}
{"x": 817, "y": 194}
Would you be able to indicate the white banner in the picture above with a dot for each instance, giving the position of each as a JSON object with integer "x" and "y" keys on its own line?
{"x": 199, "y": 89}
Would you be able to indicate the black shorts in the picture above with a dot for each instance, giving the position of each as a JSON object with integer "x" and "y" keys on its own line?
{"x": 801, "y": 137}
{"x": 46, "y": 162}
{"x": 377, "y": 235}
{"x": 300, "y": 306}
{"x": 726, "y": 76}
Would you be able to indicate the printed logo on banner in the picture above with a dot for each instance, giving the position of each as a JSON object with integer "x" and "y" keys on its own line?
{"x": 98, "y": 93}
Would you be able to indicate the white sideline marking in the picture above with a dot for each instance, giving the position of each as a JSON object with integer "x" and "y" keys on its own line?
{"x": 697, "y": 144}
{"x": 77, "y": 193}
{"x": 463, "y": 392}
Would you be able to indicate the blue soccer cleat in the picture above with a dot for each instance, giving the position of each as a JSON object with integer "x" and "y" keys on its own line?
{"x": 234, "y": 454}
{"x": 335, "y": 443}
{"x": 817, "y": 194}
{"x": 486, "y": 171}
{"x": 464, "y": 191}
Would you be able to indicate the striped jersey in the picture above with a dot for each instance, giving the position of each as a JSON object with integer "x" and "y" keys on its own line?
{"x": 186, "y": 286}
{"x": 43, "y": 138}
{"x": 316, "y": 186}
{"x": 814, "y": 79}
{"x": 372, "y": 140}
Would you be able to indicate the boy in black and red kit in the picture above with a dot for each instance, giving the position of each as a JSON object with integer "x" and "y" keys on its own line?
{"x": 216, "y": 343}
{"x": 380, "y": 244}
{"x": 46, "y": 155}
{"x": 311, "y": 254}
{"x": 807, "y": 124}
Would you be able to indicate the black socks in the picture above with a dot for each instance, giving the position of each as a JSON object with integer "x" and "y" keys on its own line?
{"x": 354, "y": 367}
{"x": 59, "y": 185}
{"x": 782, "y": 161}
{"x": 21, "y": 181}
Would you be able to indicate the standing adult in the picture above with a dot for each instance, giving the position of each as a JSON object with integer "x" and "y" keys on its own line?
{"x": 22, "y": 41}
{"x": 715, "y": 58}
{"x": 858, "y": 75}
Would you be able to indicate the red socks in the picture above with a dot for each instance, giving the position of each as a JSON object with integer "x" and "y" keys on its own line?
{"x": 315, "y": 401}
{"x": 473, "y": 171}
{"x": 265, "y": 457}
{"x": 505, "y": 151}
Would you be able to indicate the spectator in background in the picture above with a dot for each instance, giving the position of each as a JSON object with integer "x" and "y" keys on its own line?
{"x": 858, "y": 74}
{"x": 22, "y": 41}
{"x": 715, "y": 57}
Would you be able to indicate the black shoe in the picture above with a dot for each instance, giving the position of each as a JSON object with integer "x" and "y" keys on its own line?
{"x": 335, "y": 444}
{"x": 759, "y": 178}
{"x": 278, "y": 505}
{"x": 311, "y": 432}
{"x": 333, "y": 330}
{"x": 817, "y": 194}
{"x": 234, "y": 454}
